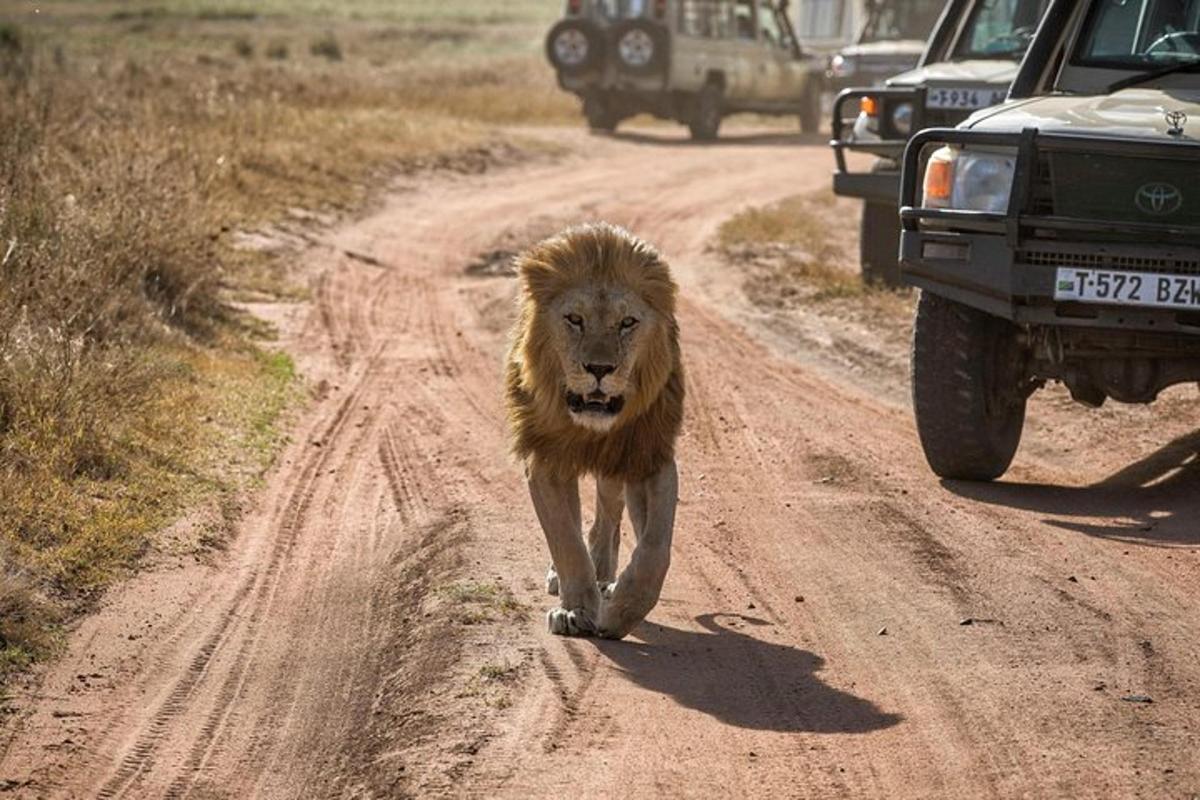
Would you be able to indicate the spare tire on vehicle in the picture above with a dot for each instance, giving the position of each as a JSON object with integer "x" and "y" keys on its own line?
{"x": 575, "y": 46}
{"x": 639, "y": 47}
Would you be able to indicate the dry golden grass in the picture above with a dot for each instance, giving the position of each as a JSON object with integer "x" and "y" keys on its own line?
{"x": 138, "y": 139}
{"x": 803, "y": 251}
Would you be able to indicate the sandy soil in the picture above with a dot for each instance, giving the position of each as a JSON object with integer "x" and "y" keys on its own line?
{"x": 837, "y": 623}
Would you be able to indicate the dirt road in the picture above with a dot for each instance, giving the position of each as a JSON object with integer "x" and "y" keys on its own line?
{"x": 375, "y": 627}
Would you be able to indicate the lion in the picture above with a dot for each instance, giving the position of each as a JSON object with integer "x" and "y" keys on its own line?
{"x": 594, "y": 384}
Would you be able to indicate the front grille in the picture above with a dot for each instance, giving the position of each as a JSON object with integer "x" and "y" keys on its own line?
{"x": 1108, "y": 188}
{"x": 1170, "y": 264}
{"x": 944, "y": 117}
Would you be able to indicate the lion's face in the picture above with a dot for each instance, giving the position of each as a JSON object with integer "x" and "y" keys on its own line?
{"x": 599, "y": 338}
{"x": 596, "y": 342}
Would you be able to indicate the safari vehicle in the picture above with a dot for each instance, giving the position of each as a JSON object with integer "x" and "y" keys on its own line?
{"x": 891, "y": 41}
{"x": 968, "y": 64}
{"x": 1057, "y": 237}
{"x": 693, "y": 61}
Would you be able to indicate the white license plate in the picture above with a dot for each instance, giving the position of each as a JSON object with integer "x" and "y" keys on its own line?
{"x": 1127, "y": 288}
{"x": 964, "y": 97}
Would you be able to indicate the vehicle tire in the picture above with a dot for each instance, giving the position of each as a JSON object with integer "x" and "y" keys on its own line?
{"x": 810, "y": 109}
{"x": 705, "y": 119}
{"x": 599, "y": 111}
{"x": 879, "y": 238}
{"x": 639, "y": 47}
{"x": 575, "y": 46}
{"x": 966, "y": 386}
{"x": 879, "y": 244}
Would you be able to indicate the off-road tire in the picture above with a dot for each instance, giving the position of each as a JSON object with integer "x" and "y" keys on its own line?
{"x": 966, "y": 389}
{"x": 596, "y": 46}
{"x": 879, "y": 244}
{"x": 879, "y": 237}
{"x": 810, "y": 109}
{"x": 660, "y": 41}
{"x": 705, "y": 118}
{"x": 598, "y": 109}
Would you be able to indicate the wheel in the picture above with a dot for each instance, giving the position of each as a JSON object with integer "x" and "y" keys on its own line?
{"x": 706, "y": 114}
{"x": 598, "y": 109}
{"x": 810, "y": 110}
{"x": 967, "y": 389}
{"x": 879, "y": 238}
{"x": 879, "y": 244}
{"x": 639, "y": 47}
{"x": 575, "y": 46}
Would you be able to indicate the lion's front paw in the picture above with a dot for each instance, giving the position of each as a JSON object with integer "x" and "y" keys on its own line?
{"x": 552, "y": 582}
{"x": 573, "y": 622}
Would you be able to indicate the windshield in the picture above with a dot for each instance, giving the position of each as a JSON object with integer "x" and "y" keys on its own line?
{"x": 999, "y": 29}
{"x": 1147, "y": 34}
{"x": 901, "y": 19}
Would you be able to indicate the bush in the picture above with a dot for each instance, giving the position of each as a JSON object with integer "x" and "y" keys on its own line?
{"x": 326, "y": 47}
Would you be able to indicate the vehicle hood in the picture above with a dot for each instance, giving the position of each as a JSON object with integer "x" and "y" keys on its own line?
{"x": 1134, "y": 112}
{"x": 976, "y": 72}
{"x": 911, "y": 48}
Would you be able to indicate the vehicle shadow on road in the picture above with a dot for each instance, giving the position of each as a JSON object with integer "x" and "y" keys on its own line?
{"x": 1156, "y": 500}
{"x": 741, "y": 680}
{"x": 665, "y": 139}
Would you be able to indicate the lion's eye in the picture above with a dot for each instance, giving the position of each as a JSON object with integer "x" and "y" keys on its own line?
{"x": 575, "y": 320}
{"x": 628, "y": 323}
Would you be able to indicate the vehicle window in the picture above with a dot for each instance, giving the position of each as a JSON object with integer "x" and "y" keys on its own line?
{"x": 771, "y": 32}
{"x": 622, "y": 9}
{"x": 1000, "y": 29}
{"x": 711, "y": 19}
{"x": 745, "y": 19}
{"x": 1146, "y": 33}
{"x": 821, "y": 19}
{"x": 901, "y": 19}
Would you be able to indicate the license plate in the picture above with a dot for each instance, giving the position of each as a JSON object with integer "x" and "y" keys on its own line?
{"x": 1127, "y": 288}
{"x": 964, "y": 97}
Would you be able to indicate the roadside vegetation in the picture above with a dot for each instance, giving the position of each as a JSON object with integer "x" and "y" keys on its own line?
{"x": 803, "y": 250}
{"x": 139, "y": 140}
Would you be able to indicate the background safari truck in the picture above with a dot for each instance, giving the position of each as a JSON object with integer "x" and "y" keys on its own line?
{"x": 693, "y": 61}
{"x": 1057, "y": 238}
{"x": 968, "y": 64}
{"x": 891, "y": 40}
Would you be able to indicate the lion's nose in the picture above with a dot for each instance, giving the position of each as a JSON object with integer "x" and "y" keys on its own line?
{"x": 600, "y": 370}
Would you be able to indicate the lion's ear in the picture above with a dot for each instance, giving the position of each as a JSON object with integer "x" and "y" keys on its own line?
{"x": 541, "y": 281}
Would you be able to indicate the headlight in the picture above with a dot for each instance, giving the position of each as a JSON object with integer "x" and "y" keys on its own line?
{"x": 969, "y": 180}
{"x": 841, "y": 67}
{"x": 636, "y": 48}
{"x": 902, "y": 118}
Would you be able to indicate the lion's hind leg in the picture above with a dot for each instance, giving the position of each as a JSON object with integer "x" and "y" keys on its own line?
{"x": 557, "y": 505}
{"x": 652, "y": 510}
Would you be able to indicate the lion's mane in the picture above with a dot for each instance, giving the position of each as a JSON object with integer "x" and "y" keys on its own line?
{"x": 643, "y": 438}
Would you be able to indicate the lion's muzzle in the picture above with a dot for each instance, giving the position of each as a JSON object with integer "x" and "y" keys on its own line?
{"x": 595, "y": 403}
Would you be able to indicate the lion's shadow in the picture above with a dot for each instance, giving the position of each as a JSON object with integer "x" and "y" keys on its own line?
{"x": 741, "y": 680}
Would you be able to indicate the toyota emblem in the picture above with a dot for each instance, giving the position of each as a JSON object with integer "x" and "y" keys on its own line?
{"x": 1158, "y": 199}
{"x": 1175, "y": 122}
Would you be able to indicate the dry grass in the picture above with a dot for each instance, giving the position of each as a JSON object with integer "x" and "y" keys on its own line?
{"x": 803, "y": 251}
{"x": 138, "y": 139}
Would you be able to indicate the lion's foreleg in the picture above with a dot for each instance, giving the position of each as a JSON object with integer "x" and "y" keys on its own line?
{"x": 604, "y": 539}
{"x": 557, "y": 505}
{"x": 652, "y": 510}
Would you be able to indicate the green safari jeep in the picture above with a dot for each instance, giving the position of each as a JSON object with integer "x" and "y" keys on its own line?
{"x": 968, "y": 64}
{"x": 692, "y": 61}
{"x": 1057, "y": 237}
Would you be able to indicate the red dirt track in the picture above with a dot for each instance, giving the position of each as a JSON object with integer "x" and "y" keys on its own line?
{"x": 809, "y": 641}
